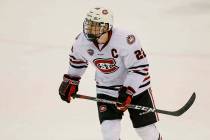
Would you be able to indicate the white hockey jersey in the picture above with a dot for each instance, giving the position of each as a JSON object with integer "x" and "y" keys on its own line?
{"x": 121, "y": 61}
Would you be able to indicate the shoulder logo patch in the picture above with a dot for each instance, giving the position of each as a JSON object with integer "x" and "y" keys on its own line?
{"x": 105, "y": 12}
{"x": 131, "y": 39}
{"x": 90, "y": 52}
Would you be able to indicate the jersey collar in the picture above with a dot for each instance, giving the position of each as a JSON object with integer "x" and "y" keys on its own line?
{"x": 97, "y": 45}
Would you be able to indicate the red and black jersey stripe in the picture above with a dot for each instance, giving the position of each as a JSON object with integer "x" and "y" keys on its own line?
{"x": 78, "y": 67}
{"x": 73, "y": 60}
{"x": 140, "y": 66}
{"x": 140, "y": 72}
{"x": 115, "y": 87}
{"x": 144, "y": 85}
{"x": 77, "y": 63}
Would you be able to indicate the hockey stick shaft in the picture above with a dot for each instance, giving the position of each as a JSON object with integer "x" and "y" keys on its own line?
{"x": 144, "y": 108}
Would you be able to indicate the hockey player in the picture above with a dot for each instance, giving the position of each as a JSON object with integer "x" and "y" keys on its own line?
{"x": 121, "y": 74}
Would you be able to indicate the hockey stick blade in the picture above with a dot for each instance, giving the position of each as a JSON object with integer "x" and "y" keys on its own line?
{"x": 181, "y": 110}
{"x": 143, "y": 108}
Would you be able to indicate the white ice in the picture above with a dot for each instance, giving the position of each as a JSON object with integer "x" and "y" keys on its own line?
{"x": 36, "y": 37}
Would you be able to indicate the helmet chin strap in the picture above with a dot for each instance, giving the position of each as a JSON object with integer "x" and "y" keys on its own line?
{"x": 100, "y": 37}
{"x": 93, "y": 38}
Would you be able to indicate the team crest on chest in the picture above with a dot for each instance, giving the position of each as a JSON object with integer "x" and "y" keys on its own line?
{"x": 90, "y": 52}
{"x": 106, "y": 65}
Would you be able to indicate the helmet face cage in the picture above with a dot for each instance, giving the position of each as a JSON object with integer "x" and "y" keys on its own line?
{"x": 93, "y": 30}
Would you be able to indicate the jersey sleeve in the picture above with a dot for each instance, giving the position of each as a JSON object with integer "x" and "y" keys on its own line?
{"x": 137, "y": 65}
{"x": 77, "y": 63}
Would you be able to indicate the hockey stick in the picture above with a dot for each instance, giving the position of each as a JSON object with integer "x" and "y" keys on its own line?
{"x": 144, "y": 108}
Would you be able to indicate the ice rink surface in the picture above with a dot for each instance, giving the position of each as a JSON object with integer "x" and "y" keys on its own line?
{"x": 36, "y": 37}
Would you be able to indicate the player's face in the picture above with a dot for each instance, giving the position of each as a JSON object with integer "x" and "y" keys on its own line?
{"x": 95, "y": 29}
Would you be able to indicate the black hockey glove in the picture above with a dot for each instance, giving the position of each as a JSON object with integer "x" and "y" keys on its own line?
{"x": 68, "y": 87}
{"x": 124, "y": 99}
